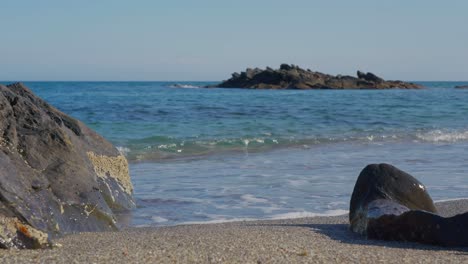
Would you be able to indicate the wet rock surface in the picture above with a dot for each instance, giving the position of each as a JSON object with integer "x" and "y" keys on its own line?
{"x": 390, "y": 204}
{"x": 57, "y": 175}
{"x": 294, "y": 77}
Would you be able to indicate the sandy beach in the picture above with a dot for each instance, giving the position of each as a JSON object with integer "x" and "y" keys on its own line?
{"x": 234, "y": 132}
{"x": 304, "y": 240}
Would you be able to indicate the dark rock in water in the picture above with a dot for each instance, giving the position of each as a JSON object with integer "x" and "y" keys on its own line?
{"x": 390, "y": 204}
{"x": 461, "y": 86}
{"x": 57, "y": 175}
{"x": 293, "y": 77}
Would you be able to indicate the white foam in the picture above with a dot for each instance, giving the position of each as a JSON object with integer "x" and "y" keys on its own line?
{"x": 187, "y": 86}
{"x": 297, "y": 183}
{"x": 291, "y": 215}
{"x": 123, "y": 150}
{"x": 443, "y": 136}
{"x": 249, "y": 198}
{"x": 260, "y": 140}
{"x": 158, "y": 219}
{"x": 167, "y": 146}
{"x": 451, "y": 200}
{"x": 217, "y": 221}
{"x": 303, "y": 214}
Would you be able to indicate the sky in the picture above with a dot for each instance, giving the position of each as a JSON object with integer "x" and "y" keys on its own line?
{"x": 203, "y": 40}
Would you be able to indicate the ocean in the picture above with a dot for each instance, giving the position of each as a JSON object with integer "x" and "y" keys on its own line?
{"x": 213, "y": 155}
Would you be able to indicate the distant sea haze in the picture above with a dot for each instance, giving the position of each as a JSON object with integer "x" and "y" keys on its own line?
{"x": 204, "y": 155}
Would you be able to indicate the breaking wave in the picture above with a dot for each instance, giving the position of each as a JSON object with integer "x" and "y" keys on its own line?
{"x": 443, "y": 136}
{"x": 179, "y": 85}
{"x": 163, "y": 147}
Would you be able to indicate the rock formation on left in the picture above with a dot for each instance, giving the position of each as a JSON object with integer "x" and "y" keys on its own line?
{"x": 57, "y": 176}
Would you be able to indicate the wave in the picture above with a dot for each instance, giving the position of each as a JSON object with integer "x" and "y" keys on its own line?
{"x": 163, "y": 147}
{"x": 123, "y": 150}
{"x": 160, "y": 147}
{"x": 179, "y": 85}
{"x": 443, "y": 136}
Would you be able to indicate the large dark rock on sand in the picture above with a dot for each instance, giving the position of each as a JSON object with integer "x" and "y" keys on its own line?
{"x": 385, "y": 182}
{"x": 420, "y": 226}
{"x": 390, "y": 204}
{"x": 293, "y": 77}
{"x": 57, "y": 175}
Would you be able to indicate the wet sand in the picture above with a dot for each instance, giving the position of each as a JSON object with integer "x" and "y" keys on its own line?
{"x": 304, "y": 240}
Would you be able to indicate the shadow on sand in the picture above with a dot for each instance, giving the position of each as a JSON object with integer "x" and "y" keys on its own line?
{"x": 341, "y": 233}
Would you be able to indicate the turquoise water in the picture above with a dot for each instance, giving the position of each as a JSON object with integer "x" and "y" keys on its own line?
{"x": 204, "y": 155}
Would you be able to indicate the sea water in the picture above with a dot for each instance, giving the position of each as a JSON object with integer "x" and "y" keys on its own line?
{"x": 208, "y": 155}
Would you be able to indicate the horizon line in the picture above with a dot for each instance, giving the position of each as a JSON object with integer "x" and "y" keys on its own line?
{"x": 14, "y": 81}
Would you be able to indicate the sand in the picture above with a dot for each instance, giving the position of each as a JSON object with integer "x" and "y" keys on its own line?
{"x": 304, "y": 240}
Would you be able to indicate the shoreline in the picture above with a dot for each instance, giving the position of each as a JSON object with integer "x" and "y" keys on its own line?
{"x": 335, "y": 213}
{"x": 304, "y": 214}
{"x": 312, "y": 239}
{"x": 293, "y": 177}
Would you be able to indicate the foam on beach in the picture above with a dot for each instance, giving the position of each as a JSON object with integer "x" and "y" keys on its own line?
{"x": 294, "y": 215}
{"x": 291, "y": 215}
{"x": 451, "y": 200}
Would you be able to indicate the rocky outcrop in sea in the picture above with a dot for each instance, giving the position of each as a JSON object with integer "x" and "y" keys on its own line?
{"x": 294, "y": 77}
{"x": 57, "y": 176}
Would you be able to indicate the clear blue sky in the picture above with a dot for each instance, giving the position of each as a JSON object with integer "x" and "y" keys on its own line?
{"x": 207, "y": 40}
